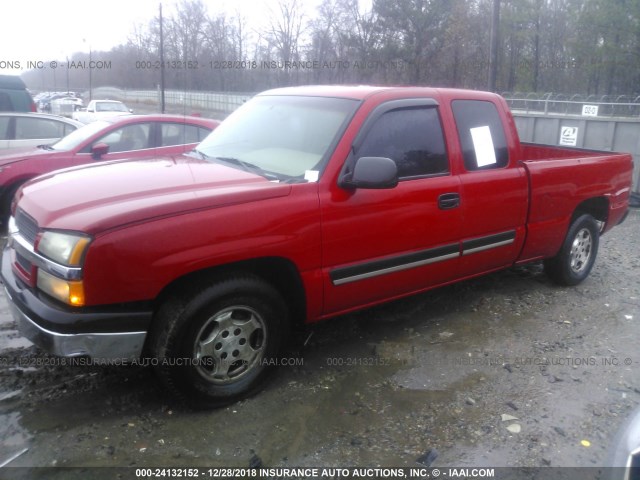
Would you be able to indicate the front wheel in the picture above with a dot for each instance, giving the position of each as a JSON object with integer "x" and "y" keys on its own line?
{"x": 574, "y": 261}
{"x": 217, "y": 346}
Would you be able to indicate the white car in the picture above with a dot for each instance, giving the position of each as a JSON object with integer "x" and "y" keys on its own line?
{"x": 19, "y": 129}
{"x": 100, "y": 109}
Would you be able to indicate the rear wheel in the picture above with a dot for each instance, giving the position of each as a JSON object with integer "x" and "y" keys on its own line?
{"x": 217, "y": 346}
{"x": 574, "y": 261}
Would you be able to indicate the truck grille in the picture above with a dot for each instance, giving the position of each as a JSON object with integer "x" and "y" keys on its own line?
{"x": 27, "y": 226}
{"x": 24, "y": 263}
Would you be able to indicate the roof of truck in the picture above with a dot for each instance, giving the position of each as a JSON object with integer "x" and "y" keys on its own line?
{"x": 361, "y": 92}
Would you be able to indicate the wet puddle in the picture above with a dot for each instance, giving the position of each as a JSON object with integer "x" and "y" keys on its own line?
{"x": 14, "y": 439}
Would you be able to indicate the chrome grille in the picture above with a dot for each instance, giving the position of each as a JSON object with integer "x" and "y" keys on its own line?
{"x": 27, "y": 226}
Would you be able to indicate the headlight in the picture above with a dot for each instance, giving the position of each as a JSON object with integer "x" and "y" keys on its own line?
{"x": 64, "y": 248}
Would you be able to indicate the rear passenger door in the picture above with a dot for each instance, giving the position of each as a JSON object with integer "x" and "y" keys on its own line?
{"x": 379, "y": 244}
{"x": 494, "y": 189}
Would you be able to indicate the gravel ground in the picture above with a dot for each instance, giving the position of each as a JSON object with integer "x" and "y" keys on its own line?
{"x": 504, "y": 370}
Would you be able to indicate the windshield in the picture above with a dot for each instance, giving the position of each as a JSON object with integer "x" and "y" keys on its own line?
{"x": 110, "y": 107}
{"x": 78, "y": 136}
{"x": 285, "y": 137}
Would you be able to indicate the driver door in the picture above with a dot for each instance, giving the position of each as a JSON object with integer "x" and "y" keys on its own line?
{"x": 133, "y": 140}
{"x": 382, "y": 244}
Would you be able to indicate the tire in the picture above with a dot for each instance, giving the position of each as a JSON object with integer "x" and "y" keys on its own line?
{"x": 574, "y": 261}
{"x": 218, "y": 345}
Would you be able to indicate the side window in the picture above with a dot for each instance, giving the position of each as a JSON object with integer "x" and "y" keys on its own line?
{"x": 203, "y": 133}
{"x": 127, "y": 138}
{"x": 171, "y": 134}
{"x": 411, "y": 137}
{"x": 34, "y": 128}
{"x": 68, "y": 129}
{"x": 181, "y": 134}
{"x": 482, "y": 138}
{"x": 4, "y": 128}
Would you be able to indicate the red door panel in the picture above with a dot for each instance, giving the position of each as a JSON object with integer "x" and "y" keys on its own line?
{"x": 380, "y": 244}
{"x": 494, "y": 206}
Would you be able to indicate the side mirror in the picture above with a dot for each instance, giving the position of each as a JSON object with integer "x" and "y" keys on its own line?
{"x": 98, "y": 150}
{"x": 131, "y": 110}
{"x": 373, "y": 173}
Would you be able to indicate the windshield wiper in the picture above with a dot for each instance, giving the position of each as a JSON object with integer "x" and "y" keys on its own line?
{"x": 45, "y": 147}
{"x": 203, "y": 155}
{"x": 248, "y": 167}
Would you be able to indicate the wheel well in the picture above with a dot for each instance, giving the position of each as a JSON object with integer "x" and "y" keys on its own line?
{"x": 8, "y": 193}
{"x": 597, "y": 207}
{"x": 277, "y": 271}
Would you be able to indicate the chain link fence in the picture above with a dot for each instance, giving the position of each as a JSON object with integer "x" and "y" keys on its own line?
{"x": 623, "y": 106}
{"x": 187, "y": 101}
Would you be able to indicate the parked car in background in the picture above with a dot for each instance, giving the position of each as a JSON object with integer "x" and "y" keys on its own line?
{"x": 20, "y": 129}
{"x": 65, "y": 106}
{"x": 14, "y": 96}
{"x": 43, "y": 101}
{"x": 98, "y": 109}
{"x": 46, "y": 102}
{"x": 133, "y": 136}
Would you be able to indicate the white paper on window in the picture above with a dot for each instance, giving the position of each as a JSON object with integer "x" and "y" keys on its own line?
{"x": 483, "y": 145}
{"x": 311, "y": 175}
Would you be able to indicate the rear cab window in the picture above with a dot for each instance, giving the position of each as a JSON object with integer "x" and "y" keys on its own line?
{"x": 481, "y": 133}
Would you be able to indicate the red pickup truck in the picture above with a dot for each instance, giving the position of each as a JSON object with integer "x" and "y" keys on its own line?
{"x": 304, "y": 204}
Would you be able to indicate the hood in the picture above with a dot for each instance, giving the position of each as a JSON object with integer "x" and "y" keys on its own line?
{"x": 96, "y": 198}
{"x": 12, "y": 155}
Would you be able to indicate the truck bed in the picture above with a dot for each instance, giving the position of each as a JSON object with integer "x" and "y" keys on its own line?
{"x": 563, "y": 178}
{"x": 534, "y": 152}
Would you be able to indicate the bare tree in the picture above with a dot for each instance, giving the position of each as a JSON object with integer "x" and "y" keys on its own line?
{"x": 286, "y": 27}
{"x": 184, "y": 40}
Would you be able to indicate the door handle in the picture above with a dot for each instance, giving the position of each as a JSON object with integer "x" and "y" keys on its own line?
{"x": 447, "y": 201}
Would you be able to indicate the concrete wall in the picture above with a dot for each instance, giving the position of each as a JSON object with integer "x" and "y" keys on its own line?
{"x": 609, "y": 134}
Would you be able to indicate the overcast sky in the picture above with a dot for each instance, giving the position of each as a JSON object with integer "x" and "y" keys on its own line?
{"x": 42, "y": 30}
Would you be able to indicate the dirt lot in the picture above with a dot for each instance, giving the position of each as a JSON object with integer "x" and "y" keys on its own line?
{"x": 431, "y": 375}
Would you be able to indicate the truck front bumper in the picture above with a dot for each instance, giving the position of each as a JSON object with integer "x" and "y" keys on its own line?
{"x": 102, "y": 333}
